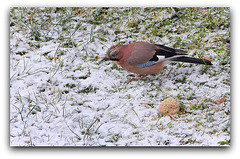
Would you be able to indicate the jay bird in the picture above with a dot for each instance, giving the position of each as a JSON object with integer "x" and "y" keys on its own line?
{"x": 142, "y": 58}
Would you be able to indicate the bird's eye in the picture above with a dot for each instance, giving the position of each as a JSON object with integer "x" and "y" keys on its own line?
{"x": 114, "y": 54}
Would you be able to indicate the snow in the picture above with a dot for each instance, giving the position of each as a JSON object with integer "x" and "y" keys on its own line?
{"x": 60, "y": 95}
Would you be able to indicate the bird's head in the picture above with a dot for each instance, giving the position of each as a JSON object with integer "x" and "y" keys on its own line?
{"x": 112, "y": 54}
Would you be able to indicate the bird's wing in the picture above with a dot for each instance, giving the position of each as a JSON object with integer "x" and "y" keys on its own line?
{"x": 169, "y": 52}
{"x": 141, "y": 53}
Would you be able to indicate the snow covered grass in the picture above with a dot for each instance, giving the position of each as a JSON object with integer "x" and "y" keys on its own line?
{"x": 61, "y": 95}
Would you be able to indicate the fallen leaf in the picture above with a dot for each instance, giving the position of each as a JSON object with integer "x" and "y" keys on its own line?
{"x": 206, "y": 58}
{"x": 55, "y": 59}
{"x": 31, "y": 48}
{"x": 76, "y": 11}
{"x": 17, "y": 59}
{"x": 220, "y": 101}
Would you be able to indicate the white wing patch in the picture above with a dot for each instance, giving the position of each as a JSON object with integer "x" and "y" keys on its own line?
{"x": 162, "y": 58}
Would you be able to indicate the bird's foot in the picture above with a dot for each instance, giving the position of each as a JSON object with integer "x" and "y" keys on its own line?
{"x": 131, "y": 75}
{"x": 142, "y": 76}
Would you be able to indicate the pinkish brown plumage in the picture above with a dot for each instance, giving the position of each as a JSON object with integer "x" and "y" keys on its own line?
{"x": 142, "y": 57}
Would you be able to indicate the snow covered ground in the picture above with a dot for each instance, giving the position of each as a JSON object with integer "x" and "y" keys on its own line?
{"x": 60, "y": 95}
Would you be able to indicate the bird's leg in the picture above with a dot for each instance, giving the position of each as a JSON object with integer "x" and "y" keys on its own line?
{"x": 132, "y": 79}
{"x": 139, "y": 77}
{"x": 142, "y": 76}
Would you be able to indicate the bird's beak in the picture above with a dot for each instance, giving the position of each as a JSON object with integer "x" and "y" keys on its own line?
{"x": 104, "y": 59}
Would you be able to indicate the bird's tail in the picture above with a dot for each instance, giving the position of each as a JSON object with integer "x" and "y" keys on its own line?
{"x": 178, "y": 55}
{"x": 192, "y": 60}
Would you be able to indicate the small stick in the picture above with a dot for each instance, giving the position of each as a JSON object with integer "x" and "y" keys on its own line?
{"x": 171, "y": 117}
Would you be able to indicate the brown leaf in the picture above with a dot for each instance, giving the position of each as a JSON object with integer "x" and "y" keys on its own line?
{"x": 220, "y": 101}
